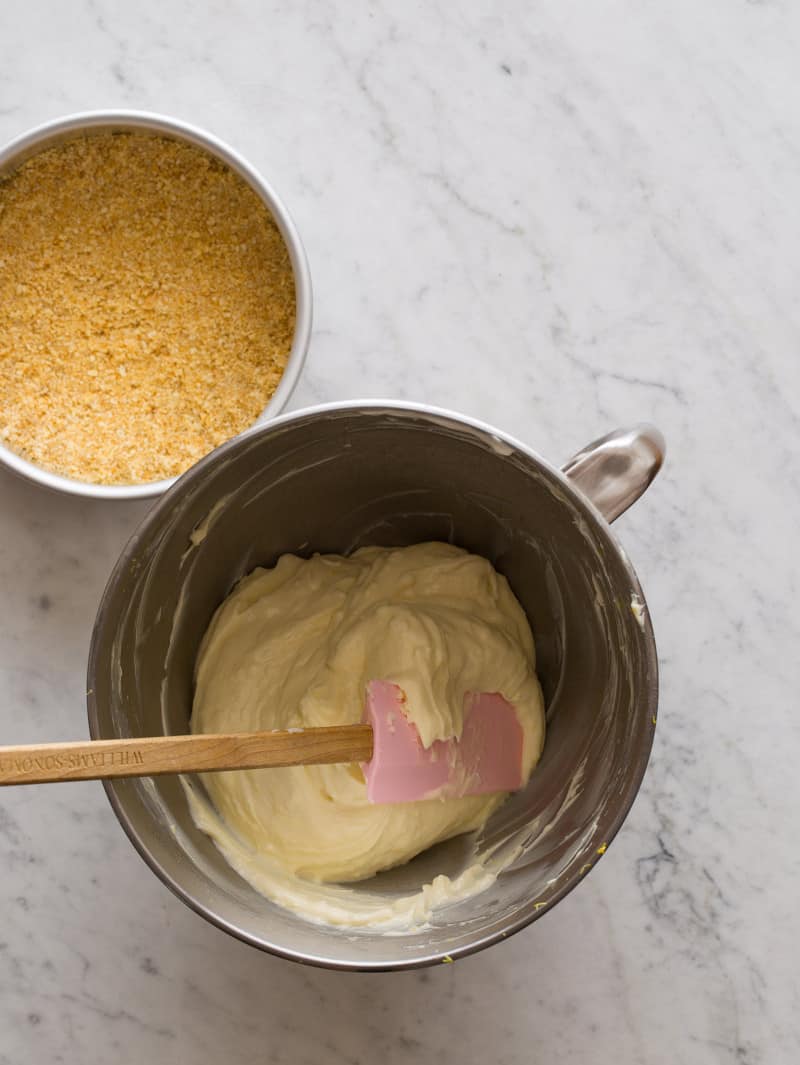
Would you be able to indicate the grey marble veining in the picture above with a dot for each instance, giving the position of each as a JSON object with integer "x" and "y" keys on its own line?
{"x": 560, "y": 219}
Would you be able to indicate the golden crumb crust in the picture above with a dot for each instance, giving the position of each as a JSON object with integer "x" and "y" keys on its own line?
{"x": 147, "y": 307}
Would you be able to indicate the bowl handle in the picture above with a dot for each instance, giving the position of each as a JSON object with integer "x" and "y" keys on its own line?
{"x": 616, "y": 469}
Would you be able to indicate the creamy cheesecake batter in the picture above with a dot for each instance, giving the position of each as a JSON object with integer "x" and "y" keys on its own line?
{"x": 295, "y": 646}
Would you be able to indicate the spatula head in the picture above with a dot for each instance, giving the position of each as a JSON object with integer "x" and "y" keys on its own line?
{"x": 487, "y": 757}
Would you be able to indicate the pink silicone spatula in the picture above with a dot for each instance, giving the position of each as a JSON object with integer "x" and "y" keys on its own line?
{"x": 397, "y": 768}
{"x": 487, "y": 757}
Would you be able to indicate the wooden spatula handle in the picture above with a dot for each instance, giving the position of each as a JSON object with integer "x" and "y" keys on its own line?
{"x": 100, "y": 759}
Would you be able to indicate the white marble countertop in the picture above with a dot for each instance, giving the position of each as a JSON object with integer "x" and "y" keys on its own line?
{"x": 560, "y": 220}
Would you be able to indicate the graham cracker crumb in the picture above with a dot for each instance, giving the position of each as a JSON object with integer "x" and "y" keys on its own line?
{"x": 147, "y": 307}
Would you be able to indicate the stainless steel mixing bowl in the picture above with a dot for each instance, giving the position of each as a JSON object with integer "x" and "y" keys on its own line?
{"x": 335, "y": 478}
